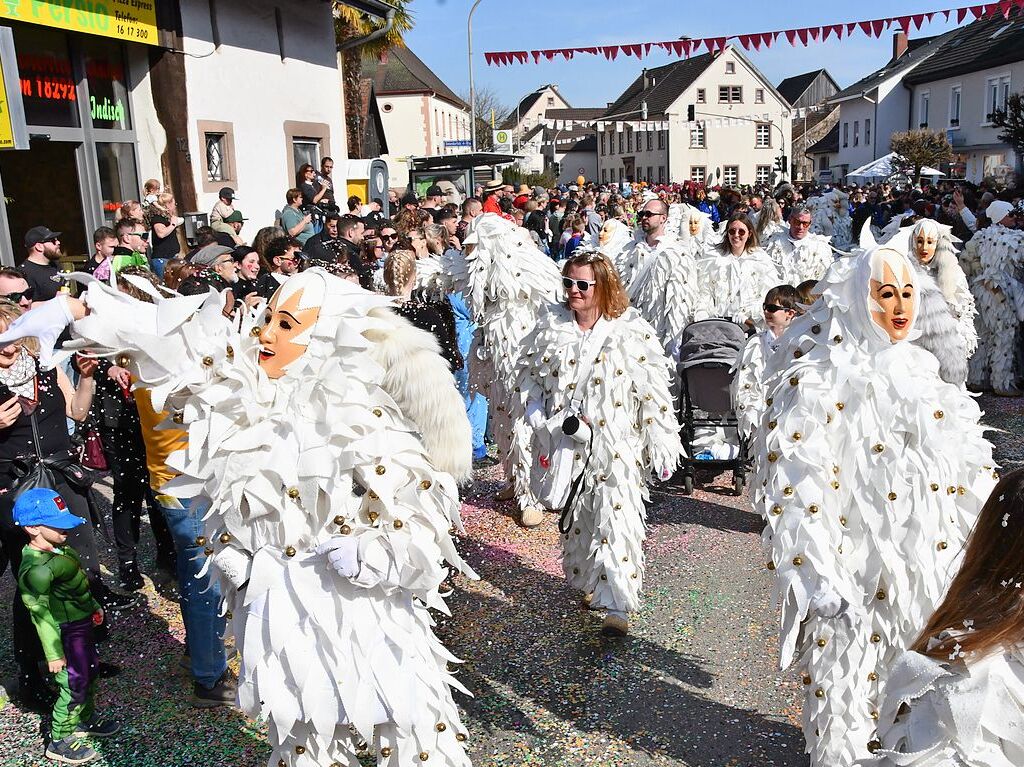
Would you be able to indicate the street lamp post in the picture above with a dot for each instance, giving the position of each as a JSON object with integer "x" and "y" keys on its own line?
{"x": 472, "y": 91}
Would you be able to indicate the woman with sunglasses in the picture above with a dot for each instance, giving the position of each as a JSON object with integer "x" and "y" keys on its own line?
{"x": 595, "y": 421}
{"x": 736, "y": 275}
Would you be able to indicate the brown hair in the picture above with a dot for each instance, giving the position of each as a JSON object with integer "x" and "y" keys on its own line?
{"x": 139, "y": 271}
{"x": 806, "y": 290}
{"x": 176, "y": 271}
{"x": 751, "y": 243}
{"x": 292, "y": 195}
{"x": 399, "y": 266}
{"x": 611, "y": 296}
{"x": 985, "y": 590}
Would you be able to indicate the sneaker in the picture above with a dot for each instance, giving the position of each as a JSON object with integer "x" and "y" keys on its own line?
{"x": 531, "y": 517}
{"x": 96, "y": 728}
{"x": 224, "y": 693}
{"x": 113, "y": 602}
{"x": 70, "y": 750}
{"x": 130, "y": 578}
{"x": 614, "y": 626}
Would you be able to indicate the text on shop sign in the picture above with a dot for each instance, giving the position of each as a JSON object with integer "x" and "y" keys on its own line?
{"x": 132, "y": 20}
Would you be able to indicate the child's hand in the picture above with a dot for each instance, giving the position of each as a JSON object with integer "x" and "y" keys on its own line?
{"x": 56, "y": 666}
{"x": 97, "y": 618}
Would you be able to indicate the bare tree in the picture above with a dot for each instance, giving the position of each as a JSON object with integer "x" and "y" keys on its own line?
{"x": 487, "y": 102}
{"x": 1011, "y": 120}
{"x": 917, "y": 149}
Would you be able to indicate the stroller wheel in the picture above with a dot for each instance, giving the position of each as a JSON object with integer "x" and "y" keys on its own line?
{"x": 738, "y": 482}
{"x": 687, "y": 484}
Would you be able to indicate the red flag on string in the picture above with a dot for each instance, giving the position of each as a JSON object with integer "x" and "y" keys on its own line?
{"x": 610, "y": 51}
{"x": 687, "y": 47}
{"x": 877, "y": 26}
{"x": 592, "y": 51}
{"x": 815, "y": 33}
{"x": 978, "y": 11}
{"x": 768, "y": 38}
{"x": 489, "y": 59}
{"x": 522, "y": 56}
{"x": 865, "y": 27}
{"x": 791, "y": 36}
{"x": 904, "y": 22}
{"x": 745, "y": 42}
{"x": 1005, "y": 6}
{"x": 647, "y": 48}
{"x": 961, "y": 14}
{"x": 536, "y": 56}
{"x": 802, "y": 34}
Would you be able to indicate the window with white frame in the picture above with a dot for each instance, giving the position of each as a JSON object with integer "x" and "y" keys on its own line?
{"x": 698, "y": 139}
{"x": 216, "y": 156}
{"x": 661, "y": 174}
{"x": 650, "y": 141}
{"x": 955, "y": 95}
{"x": 763, "y": 174}
{"x": 661, "y": 139}
{"x": 701, "y": 96}
{"x": 551, "y": 101}
{"x": 925, "y": 102}
{"x": 602, "y": 144}
{"x": 629, "y": 141}
{"x": 730, "y": 67}
{"x": 698, "y": 174}
{"x": 730, "y": 94}
{"x": 867, "y": 130}
{"x": 621, "y": 144}
{"x": 856, "y": 132}
{"x": 846, "y": 134}
{"x": 763, "y": 135}
{"x": 997, "y": 91}
{"x": 759, "y": 95}
{"x": 731, "y": 175}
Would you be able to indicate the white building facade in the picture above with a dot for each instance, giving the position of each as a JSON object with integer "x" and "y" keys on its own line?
{"x": 741, "y": 125}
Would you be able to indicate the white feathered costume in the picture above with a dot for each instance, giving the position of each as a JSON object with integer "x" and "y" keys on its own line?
{"x": 613, "y": 238}
{"x": 696, "y": 232}
{"x": 831, "y": 218}
{"x": 964, "y": 714}
{"x": 355, "y": 441}
{"x": 947, "y": 306}
{"x": 625, "y": 394}
{"x": 734, "y": 287}
{"x": 873, "y": 471}
{"x": 506, "y": 281}
{"x": 799, "y": 260}
{"x": 666, "y": 293}
{"x": 999, "y": 296}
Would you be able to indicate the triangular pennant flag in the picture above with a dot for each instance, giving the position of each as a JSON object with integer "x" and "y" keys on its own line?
{"x": 489, "y": 59}
{"x": 802, "y": 34}
{"x": 961, "y": 14}
{"x": 791, "y": 35}
{"x": 978, "y": 11}
{"x": 647, "y": 48}
{"x": 687, "y": 47}
{"x": 568, "y": 53}
{"x": 745, "y": 42}
{"x": 768, "y": 38}
{"x": 536, "y": 56}
{"x": 592, "y": 51}
{"x": 1005, "y": 6}
{"x": 815, "y": 33}
{"x": 522, "y": 56}
{"x": 877, "y": 26}
{"x": 918, "y": 19}
{"x": 904, "y": 22}
{"x": 610, "y": 51}
{"x": 850, "y": 28}
{"x": 865, "y": 27}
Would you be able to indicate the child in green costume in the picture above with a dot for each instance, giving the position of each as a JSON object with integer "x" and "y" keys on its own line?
{"x": 55, "y": 589}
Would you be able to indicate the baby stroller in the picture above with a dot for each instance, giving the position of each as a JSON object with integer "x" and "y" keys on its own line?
{"x": 708, "y": 351}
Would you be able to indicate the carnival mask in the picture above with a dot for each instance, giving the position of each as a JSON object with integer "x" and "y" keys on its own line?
{"x": 891, "y": 300}
{"x": 286, "y": 333}
{"x": 694, "y": 226}
{"x": 607, "y": 232}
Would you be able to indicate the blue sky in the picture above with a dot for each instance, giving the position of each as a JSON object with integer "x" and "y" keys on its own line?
{"x": 439, "y": 38}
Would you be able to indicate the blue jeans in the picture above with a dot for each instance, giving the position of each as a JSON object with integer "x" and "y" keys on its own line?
{"x": 199, "y": 597}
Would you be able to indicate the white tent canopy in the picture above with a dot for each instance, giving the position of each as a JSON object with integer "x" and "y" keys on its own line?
{"x": 882, "y": 169}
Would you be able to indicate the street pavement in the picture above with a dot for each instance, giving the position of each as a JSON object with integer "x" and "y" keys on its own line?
{"x": 696, "y": 683}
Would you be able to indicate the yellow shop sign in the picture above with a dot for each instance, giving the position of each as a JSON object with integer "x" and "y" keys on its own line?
{"x": 130, "y": 20}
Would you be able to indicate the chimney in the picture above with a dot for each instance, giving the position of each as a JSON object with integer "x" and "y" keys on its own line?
{"x": 647, "y": 83}
{"x": 899, "y": 44}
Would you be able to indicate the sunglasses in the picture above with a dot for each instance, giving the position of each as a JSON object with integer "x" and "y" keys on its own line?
{"x": 649, "y": 213}
{"x": 15, "y": 298}
{"x": 581, "y": 285}
{"x": 390, "y": 236}
{"x": 772, "y": 308}
{"x": 143, "y": 235}
{"x": 737, "y": 230}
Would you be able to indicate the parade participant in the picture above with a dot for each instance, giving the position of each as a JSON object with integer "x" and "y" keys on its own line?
{"x": 636, "y": 255}
{"x": 832, "y": 218}
{"x": 947, "y": 306}
{"x": 328, "y": 439}
{"x": 613, "y": 239}
{"x": 736, "y": 275}
{"x": 55, "y": 590}
{"x": 697, "y": 233}
{"x": 797, "y": 253}
{"x": 957, "y": 697}
{"x": 996, "y": 254}
{"x": 505, "y": 282}
{"x": 781, "y": 305}
{"x": 666, "y": 292}
{"x": 873, "y": 471}
{"x": 590, "y": 372}
{"x": 769, "y": 221}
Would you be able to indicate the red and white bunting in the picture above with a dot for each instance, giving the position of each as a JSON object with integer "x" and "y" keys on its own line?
{"x": 757, "y": 40}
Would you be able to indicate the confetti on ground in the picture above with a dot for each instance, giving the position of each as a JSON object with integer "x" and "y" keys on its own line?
{"x": 695, "y": 684}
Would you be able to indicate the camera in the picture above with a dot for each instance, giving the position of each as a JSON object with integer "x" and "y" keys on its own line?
{"x": 575, "y": 428}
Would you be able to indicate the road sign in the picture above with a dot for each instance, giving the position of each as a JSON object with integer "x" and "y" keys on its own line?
{"x": 503, "y": 141}
{"x": 465, "y": 142}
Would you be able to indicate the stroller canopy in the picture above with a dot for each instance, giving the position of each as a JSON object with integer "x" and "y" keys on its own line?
{"x": 718, "y": 340}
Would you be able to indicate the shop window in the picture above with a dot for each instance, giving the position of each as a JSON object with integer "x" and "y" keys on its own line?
{"x": 218, "y": 145}
{"x": 47, "y": 81}
{"x": 118, "y": 177}
{"x": 108, "y": 83}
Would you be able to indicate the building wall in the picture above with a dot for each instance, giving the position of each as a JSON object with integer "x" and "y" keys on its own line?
{"x": 404, "y": 117}
{"x": 854, "y": 151}
{"x": 974, "y": 140}
{"x": 447, "y": 123}
{"x": 803, "y": 167}
{"x": 572, "y": 161}
{"x": 612, "y": 161}
{"x": 536, "y": 113}
{"x": 820, "y": 89}
{"x": 245, "y": 83}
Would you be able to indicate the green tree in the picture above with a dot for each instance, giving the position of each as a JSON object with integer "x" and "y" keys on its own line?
{"x": 1011, "y": 121}
{"x": 349, "y": 24}
{"x": 917, "y": 149}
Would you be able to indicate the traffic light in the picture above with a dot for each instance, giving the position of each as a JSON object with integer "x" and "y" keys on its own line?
{"x": 780, "y": 163}
{"x": 556, "y": 168}
{"x": 691, "y": 113}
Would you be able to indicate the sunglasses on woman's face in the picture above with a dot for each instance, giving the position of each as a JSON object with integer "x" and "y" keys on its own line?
{"x": 15, "y": 298}
{"x": 772, "y": 308}
{"x": 581, "y": 285}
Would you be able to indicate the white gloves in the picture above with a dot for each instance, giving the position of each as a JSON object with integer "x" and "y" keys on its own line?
{"x": 343, "y": 553}
{"x": 826, "y": 602}
{"x": 234, "y": 565}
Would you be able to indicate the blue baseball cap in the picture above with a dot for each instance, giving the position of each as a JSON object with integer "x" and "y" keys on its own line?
{"x": 42, "y": 506}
